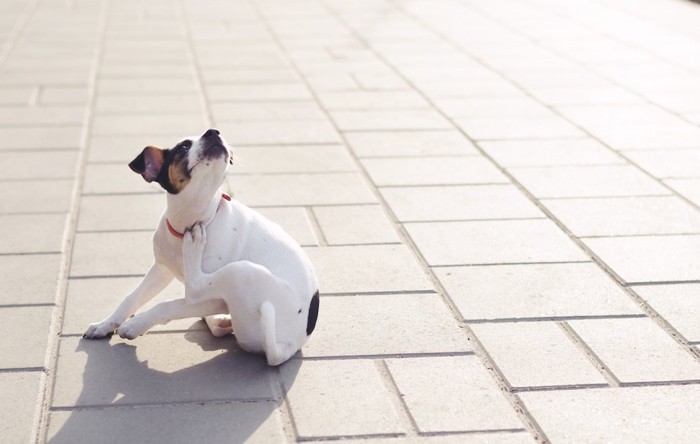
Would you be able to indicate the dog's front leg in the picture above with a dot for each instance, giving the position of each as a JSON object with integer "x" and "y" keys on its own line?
{"x": 157, "y": 278}
{"x": 192, "y": 251}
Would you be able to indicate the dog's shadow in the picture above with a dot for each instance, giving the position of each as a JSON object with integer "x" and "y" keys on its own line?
{"x": 180, "y": 397}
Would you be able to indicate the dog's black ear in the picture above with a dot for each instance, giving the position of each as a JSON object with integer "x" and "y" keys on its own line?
{"x": 148, "y": 163}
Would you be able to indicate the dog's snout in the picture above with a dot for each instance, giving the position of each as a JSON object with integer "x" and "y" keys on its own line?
{"x": 211, "y": 133}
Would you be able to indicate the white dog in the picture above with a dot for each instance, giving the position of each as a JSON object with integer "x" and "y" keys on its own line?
{"x": 230, "y": 258}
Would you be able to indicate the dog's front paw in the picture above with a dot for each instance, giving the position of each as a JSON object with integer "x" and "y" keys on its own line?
{"x": 101, "y": 329}
{"x": 195, "y": 239}
{"x": 134, "y": 327}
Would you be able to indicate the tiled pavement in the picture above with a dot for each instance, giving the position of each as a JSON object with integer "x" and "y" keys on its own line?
{"x": 502, "y": 200}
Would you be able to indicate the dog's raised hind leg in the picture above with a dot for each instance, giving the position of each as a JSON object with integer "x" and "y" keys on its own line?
{"x": 275, "y": 352}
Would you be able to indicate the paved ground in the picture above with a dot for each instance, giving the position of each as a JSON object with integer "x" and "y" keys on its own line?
{"x": 502, "y": 200}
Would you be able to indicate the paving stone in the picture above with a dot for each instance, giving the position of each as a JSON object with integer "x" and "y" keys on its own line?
{"x": 349, "y": 393}
{"x": 301, "y": 189}
{"x": 116, "y": 179}
{"x": 626, "y": 216}
{"x": 262, "y": 111}
{"x": 92, "y": 300}
{"x": 591, "y": 117}
{"x": 641, "y": 414}
{"x": 563, "y": 152}
{"x": 531, "y": 354}
{"x": 161, "y": 104}
{"x": 292, "y": 159}
{"x": 39, "y": 165}
{"x": 650, "y": 258}
{"x": 260, "y": 92}
{"x": 645, "y": 136}
{"x": 112, "y": 253}
{"x": 409, "y": 143}
{"x": 25, "y": 332}
{"x": 367, "y": 268}
{"x": 49, "y": 138}
{"x": 144, "y": 85}
{"x": 689, "y": 188}
{"x": 294, "y": 220}
{"x": 13, "y": 95}
{"x": 179, "y": 125}
{"x": 490, "y": 437}
{"x": 534, "y": 291}
{"x": 433, "y": 171}
{"x": 582, "y": 95}
{"x": 257, "y": 422}
{"x": 63, "y": 96}
{"x": 31, "y": 233}
{"x": 213, "y": 75}
{"x": 279, "y": 132}
{"x": 192, "y": 367}
{"x": 467, "y": 398}
{"x": 493, "y": 107}
{"x": 637, "y": 350}
{"x": 49, "y": 196}
{"x": 389, "y": 120}
{"x": 371, "y": 100}
{"x": 666, "y": 164}
{"x": 121, "y": 213}
{"x": 19, "y": 391}
{"x": 28, "y": 279}
{"x": 123, "y": 149}
{"x": 419, "y": 323}
{"x": 518, "y": 128}
{"x": 445, "y": 203}
{"x": 587, "y": 181}
{"x": 678, "y": 304}
{"x": 493, "y": 242}
{"x": 54, "y": 115}
{"x": 357, "y": 224}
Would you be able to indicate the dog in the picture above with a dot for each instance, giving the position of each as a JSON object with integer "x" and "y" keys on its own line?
{"x": 242, "y": 273}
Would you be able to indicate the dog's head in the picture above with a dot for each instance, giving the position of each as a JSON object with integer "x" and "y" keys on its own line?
{"x": 195, "y": 165}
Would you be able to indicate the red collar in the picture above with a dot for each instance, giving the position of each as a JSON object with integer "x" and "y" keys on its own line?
{"x": 179, "y": 235}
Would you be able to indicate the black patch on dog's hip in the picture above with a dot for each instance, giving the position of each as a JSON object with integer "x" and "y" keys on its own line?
{"x": 313, "y": 314}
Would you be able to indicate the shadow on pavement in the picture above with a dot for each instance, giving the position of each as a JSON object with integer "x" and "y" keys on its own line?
{"x": 160, "y": 389}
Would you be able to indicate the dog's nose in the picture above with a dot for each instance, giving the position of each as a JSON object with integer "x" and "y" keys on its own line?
{"x": 211, "y": 132}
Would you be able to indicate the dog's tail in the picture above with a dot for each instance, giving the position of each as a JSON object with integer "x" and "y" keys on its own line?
{"x": 276, "y": 352}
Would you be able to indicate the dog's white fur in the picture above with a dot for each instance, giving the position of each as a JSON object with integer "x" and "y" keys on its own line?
{"x": 231, "y": 260}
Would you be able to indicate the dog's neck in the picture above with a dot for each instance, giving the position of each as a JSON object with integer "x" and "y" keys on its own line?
{"x": 182, "y": 214}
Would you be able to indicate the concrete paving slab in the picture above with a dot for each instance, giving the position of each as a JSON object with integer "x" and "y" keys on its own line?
{"x": 46, "y": 196}
{"x": 292, "y": 159}
{"x": 617, "y": 413}
{"x": 409, "y": 143}
{"x": 256, "y": 422}
{"x": 355, "y": 224}
{"x": 464, "y": 386}
{"x": 126, "y": 253}
{"x": 492, "y": 242}
{"x": 158, "y": 369}
{"x": 637, "y": 350}
{"x": 18, "y": 271}
{"x": 19, "y": 393}
{"x": 367, "y": 269}
{"x": 532, "y": 354}
{"x": 462, "y": 170}
{"x": 678, "y": 304}
{"x": 24, "y": 332}
{"x": 625, "y": 216}
{"x": 588, "y": 181}
{"x": 31, "y": 233}
{"x": 350, "y": 394}
{"x": 563, "y": 152}
{"x": 452, "y": 203}
{"x": 650, "y": 258}
{"x": 358, "y": 326}
{"x": 121, "y": 212}
{"x": 534, "y": 291}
